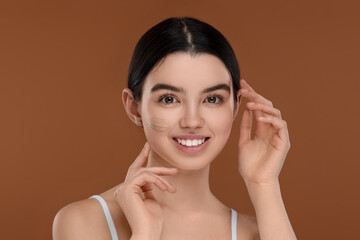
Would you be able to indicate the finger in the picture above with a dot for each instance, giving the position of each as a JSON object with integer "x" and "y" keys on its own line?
{"x": 248, "y": 89}
{"x": 249, "y": 93}
{"x": 245, "y": 127}
{"x": 279, "y": 125}
{"x": 140, "y": 160}
{"x": 146, "y": 192}
{"x": 160, "y": 182}
{"x": 162, "y": 171}
{"x": 144, "y": 185}
{"x": 245, "y": 93}
{"x": 156, "y": 181}
{"x": 246, "y": 85}
{"x": 264, "y": 108}
{"x": 254, "y": 97}
{"x": 169, "y": 186}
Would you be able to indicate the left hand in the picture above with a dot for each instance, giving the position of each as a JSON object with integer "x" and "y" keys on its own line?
{"x": 261, "y": 158}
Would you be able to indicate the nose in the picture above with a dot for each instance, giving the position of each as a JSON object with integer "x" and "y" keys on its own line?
{"x": 192, "y": 118}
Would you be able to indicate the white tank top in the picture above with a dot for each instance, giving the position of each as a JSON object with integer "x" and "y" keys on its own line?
{"x": 113, "y": 232}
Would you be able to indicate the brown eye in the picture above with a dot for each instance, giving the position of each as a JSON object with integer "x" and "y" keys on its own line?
{"x": 167, "y": 99}
{"x": 215, "y": 99}
{"x": 212, "y": 99}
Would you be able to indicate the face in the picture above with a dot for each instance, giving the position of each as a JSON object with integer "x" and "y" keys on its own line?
{"x": 187, "y": 100}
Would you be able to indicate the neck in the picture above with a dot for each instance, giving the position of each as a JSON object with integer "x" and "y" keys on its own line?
{"x": 192, "y": 188}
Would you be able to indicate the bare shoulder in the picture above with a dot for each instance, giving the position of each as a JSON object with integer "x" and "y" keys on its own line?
{"x": 80, "y": 220}
{"x": 247, "y": 227}
{"x": 85, "y": 219}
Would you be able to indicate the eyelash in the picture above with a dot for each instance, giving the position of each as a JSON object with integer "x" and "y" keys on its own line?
{"x": 221, "y": 99}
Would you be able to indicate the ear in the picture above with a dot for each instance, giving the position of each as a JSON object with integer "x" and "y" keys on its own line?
{"x": 131, "y": 106}
{"x": 237, "y": 105}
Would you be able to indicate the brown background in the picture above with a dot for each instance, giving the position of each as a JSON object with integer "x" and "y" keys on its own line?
{"x": 65, "y": 135}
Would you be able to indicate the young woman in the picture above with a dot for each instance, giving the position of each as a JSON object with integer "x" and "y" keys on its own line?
{"x": 184, "y": 90}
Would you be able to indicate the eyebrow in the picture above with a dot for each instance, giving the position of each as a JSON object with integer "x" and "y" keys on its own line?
{"x": 160, "y": 86}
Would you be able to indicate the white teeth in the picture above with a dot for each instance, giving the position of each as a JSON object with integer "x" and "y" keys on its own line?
{"x": 190, "y": 143}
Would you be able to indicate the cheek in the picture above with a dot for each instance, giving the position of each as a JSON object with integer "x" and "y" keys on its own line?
{"x": 159, "y": 124}
{"x": 220, "y": 122}
{"x": 157, "y": 121}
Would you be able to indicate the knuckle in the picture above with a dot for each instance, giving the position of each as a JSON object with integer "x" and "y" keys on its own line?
{"x": 153, "y": 180}
{"x": 158, "y": 181}
{"x": 146, "y": 177}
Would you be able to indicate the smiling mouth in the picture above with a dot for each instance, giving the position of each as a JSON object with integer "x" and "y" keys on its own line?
{"x": 191, "y": 142}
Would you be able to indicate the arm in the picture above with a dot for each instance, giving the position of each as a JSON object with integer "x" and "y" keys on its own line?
{"x": 272, "y": 218}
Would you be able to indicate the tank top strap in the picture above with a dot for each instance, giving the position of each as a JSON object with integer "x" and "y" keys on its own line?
{"x": 108, "y": 217}
{"x": 233, "y": 224}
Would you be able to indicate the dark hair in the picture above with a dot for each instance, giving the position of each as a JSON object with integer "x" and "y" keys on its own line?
{"x": 184, "y": 34}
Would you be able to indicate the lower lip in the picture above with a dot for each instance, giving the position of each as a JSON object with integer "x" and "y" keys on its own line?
{"x": 190, "y": 149}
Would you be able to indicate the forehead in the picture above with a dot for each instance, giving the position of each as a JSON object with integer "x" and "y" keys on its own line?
{"x": 185, "y": 70}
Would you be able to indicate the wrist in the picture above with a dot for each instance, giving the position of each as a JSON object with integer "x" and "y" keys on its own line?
{"x": 145, "y": 236}
{"x": 261, "y": 193}
{"x": 260, "y": 185}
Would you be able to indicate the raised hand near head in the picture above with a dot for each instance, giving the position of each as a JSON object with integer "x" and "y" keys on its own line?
{"x": 261, "y": 158}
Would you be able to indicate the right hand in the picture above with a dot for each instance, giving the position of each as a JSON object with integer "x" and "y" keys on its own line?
{"x": 136, "y": 199}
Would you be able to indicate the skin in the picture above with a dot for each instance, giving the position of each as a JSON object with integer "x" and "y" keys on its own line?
{"x": 159, "y": 125}
{"x": 170, "y": 197}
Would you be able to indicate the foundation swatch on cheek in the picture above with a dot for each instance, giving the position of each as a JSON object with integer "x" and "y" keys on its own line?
{"x": 160, "y": 125}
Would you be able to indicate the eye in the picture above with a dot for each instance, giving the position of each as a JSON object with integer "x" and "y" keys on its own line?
{"x": 167, "y": 99}
{"x": 216, "y": 99}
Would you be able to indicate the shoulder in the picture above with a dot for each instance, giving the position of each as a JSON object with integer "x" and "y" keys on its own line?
{"x": 247, "y": 227}
{"x": 80, "y": 220}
